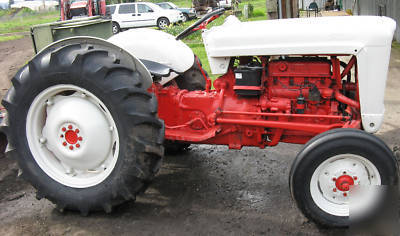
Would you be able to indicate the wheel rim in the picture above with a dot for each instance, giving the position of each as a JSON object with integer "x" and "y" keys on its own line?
{"x": 115, "y": 29}
{"x": 163, "y": 23}
{"x": 72, "y": 136}
{"x": 185, "y": 18}
{"x": 331, "y": 181}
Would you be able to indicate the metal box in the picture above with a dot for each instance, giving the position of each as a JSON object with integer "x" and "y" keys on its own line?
{"x": 45, "y": 34}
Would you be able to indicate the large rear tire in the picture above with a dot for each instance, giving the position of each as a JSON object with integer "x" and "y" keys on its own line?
{"x": 324, "y": 170}
{"x": 84, "y": 131}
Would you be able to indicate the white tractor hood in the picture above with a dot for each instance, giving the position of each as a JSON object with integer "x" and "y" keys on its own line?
{"x": 367, "y": 37}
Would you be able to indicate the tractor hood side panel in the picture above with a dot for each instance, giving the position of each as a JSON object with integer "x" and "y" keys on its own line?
{"x": 157, "y": 46}
{"x": 367, "y": 37}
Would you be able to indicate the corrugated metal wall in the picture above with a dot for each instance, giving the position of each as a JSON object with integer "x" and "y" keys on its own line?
{"x": 390, "y": 8}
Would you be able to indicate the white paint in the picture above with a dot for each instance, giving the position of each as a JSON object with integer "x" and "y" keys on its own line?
{"x": 157, "y": 46}
{"x": 367, "y": 37}
{"x": 82, "y": 167}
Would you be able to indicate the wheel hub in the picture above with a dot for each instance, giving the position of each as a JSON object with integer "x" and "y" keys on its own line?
{"x": 77, "y": 132}
{"x": 344, "y": 182}
{"x": 332, "y": 180}
{"x": 70, "y": 137}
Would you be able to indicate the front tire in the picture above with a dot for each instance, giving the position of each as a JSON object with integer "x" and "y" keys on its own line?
{"x": 185, "y": 17}
{"x": 324, "y": 170}
{"x": 85, "y": 132}
{"x": 163, "y": 23}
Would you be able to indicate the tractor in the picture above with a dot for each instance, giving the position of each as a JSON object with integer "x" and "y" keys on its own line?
{"x": 88, "y": 120}
{"x": 81, "y": 8}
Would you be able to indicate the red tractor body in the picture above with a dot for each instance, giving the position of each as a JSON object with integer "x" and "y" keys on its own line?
{"x": 76, "y": 8}
{"x": 281, "y": 101}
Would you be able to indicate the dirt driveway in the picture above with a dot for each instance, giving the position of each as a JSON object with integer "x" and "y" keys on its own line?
{"x": 207, "y": 191}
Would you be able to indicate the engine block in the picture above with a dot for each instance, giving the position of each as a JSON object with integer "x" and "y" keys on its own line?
{"x": 262, "y": 102}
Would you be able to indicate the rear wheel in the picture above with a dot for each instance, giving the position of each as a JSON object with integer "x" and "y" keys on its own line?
{"x": 330, "y": 164}
{"x": 84, "y": 130}
{"x": 163, "y": 23}
{"x": 115, "y": 28}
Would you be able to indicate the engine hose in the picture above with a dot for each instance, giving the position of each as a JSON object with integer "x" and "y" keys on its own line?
{"x": 343, "y": 99}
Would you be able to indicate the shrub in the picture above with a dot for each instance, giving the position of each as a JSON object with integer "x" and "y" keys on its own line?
{"x": 258, "y": 12}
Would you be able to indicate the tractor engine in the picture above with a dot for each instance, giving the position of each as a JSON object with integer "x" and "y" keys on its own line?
{"x": 262, "y": 101}
{"x": 291, "y": 86}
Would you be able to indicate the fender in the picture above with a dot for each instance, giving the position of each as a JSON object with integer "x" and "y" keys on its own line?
{"x": 133, "y": 62}
{"x": 157, "y": 46}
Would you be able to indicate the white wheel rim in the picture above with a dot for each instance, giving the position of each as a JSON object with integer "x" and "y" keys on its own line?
{"x": 72, "y": 136}
{"x": 163, "y": 24}
{"x": 115, "y": 29}
{"x": 323, "y": 186}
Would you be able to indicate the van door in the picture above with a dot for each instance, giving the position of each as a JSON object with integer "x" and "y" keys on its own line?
{"x": 126, "y": 15}
{"x": 146, "y": 15}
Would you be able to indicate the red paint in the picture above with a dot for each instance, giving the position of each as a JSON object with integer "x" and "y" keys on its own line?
{"x": 64, "y": 143}
{"x": 69, "y": 126}
{"x": 78, "y": 145}
{"x": 344, "y": 182}
{"x": 71, "y": 137}
{"x": 63, "y": 129}
{"x": 71, "y": 147}
{"x": 221, "y": 116}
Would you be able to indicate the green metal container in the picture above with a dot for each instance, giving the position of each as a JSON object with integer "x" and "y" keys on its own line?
{"x": 45, "y": 34}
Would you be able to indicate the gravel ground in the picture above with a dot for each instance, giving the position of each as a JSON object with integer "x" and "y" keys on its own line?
{"x": 208, "y": 190}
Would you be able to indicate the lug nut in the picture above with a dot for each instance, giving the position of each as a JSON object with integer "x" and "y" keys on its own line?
{"x": 345, "y": 194}
{"x": 334, "y": 179}
{"x": 77, "y": 131}
{"x": 334, "y": 189}
{"x": 69, "y": 126}
{"x": 355, "y": 178}
{"x": 80, "y": 138}
{"x": 77, "y": 145}
{"x": 65, "y": 143}
{"x": 42, "y": 140}
{"x": 64, "y": 129}
{"x": 71, "y": 147}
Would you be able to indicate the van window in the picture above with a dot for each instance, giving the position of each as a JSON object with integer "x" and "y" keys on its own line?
{"x": 110, "y": 10}
{"x": 127, "y": 9}
{"x": 142, "y": 8}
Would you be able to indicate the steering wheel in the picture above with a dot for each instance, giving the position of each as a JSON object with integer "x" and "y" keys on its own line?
{"x": 201, "y": 24}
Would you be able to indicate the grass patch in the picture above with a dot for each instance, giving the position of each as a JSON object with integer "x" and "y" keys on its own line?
{"x": 12, "y": 21}
{"x": 396, "y": 45}
{"x": 10, "y": 37}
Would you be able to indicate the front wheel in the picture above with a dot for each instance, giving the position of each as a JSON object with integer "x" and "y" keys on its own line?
{"x": 329, "y": 165}
{"x": 185, "y": 17}
{"x": 85, "y": 130}
{"x": 163, "y": 23}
